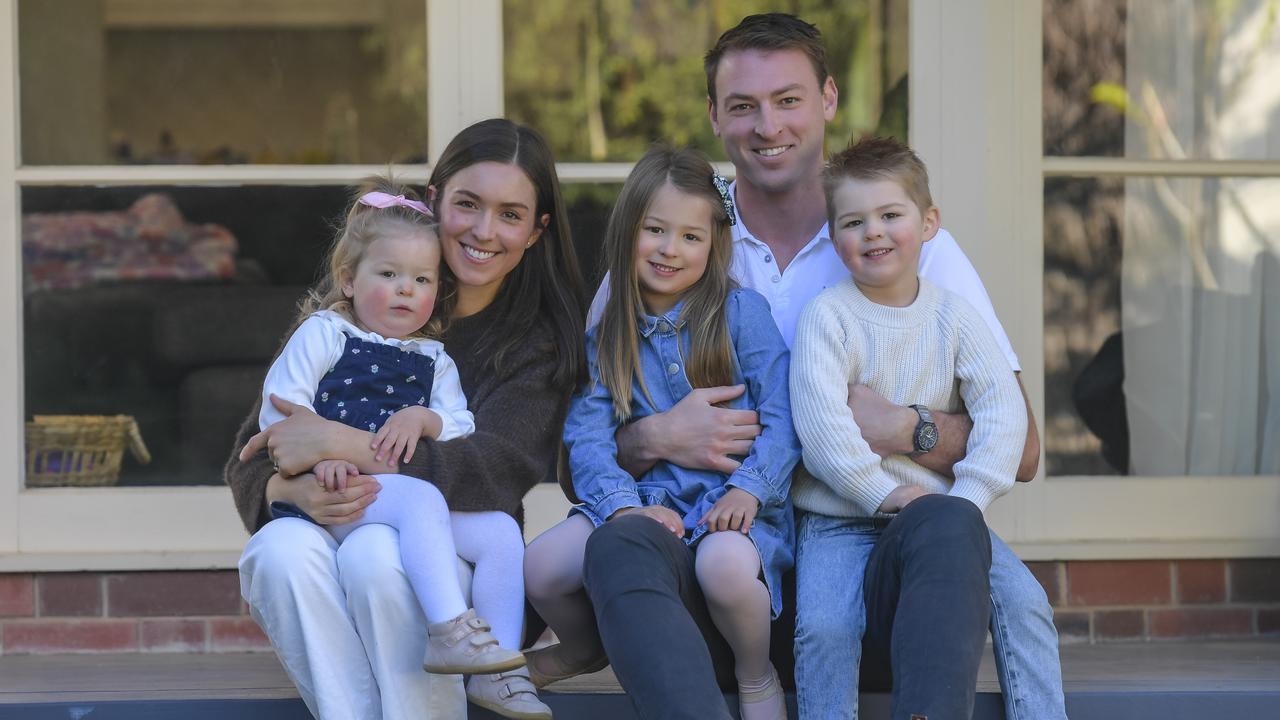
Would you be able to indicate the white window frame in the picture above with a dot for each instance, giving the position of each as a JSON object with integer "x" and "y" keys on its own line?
{"x": 976, "y": 117}
{"x": 978, "y": 79}
{"x": 124, "y": 528}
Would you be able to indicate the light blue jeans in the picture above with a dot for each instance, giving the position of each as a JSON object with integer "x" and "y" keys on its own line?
{"x": 831, "y": 559}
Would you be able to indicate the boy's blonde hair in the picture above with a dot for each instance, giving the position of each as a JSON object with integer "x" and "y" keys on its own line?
{"x": 710, "y": 355}
{"x": 363, "y": 225}
{"x": 877, "y": 158}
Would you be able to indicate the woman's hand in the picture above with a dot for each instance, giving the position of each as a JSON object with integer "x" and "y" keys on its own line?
{"x": 294, "y": 444}
{"x": 736, "y": 510}
{"x": 325, "y": 507}
{"x": 668, "y": 518}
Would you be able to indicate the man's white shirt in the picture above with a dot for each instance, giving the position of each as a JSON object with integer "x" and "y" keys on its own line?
{"x": 818, "y": 266}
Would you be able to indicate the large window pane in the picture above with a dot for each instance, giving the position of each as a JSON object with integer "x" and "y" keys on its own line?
{"x": 1162, "y": 79}
{"x": 603, "y": 79}
{"x": 165, "y": 304}
{"x": 276, "y": 81}
{"x": 589, "y": 205}
{"x": 1162, "y": 336}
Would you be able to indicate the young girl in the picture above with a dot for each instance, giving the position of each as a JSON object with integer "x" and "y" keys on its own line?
{"x": 674, "y": 322}
{"x": 362, "y": 356}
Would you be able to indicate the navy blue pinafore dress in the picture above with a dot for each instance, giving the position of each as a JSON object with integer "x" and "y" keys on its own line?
{"x": 371, "y": 381}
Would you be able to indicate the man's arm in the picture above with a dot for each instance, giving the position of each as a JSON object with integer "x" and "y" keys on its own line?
{"x": 889, "y": 429}
{"x": 1029, "y": 465}
{"x": 694, "y": 433}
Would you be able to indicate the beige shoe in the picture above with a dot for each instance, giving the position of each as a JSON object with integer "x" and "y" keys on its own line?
{"x": 464, "y": 646}
{"x": 510, "y": 694}
{"x": 546, "y": 667}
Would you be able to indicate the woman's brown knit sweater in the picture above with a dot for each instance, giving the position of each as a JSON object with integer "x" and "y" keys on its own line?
{"x": 519, "y": 413}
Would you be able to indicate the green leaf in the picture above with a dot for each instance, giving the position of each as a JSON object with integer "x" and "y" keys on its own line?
{"x": 1111, "y": 95}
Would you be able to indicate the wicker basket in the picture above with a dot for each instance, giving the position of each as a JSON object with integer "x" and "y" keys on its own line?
{"x": 80, "y": 449}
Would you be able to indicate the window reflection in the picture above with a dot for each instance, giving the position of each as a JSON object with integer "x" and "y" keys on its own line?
{"x": 165, "y": 304}
{"x": 1151, "y": 79}
{"x": 604, "y": 79}
{"x": 1162, "y": 344}
{"x": 113, "y": 81}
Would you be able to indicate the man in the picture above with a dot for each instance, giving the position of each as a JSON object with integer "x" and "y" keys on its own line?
{"x": 769, "y": 99}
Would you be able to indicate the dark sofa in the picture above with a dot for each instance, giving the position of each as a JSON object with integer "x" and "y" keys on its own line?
{"x": 186, "y": 359}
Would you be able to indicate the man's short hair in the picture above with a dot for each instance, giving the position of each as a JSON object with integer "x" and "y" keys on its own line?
{"x": 769, "y": 31}
{"x": 878, "y": 158}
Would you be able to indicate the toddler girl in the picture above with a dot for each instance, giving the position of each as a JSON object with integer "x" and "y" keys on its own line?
{"x": 674, "y": 322}
{"x": 362, "y": 355}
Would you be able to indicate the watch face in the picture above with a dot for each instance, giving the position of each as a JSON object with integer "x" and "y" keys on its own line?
{"x": 927, "y": 437}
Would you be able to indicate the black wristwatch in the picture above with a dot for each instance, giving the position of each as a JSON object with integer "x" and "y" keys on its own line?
{"x": 925, "y": 436}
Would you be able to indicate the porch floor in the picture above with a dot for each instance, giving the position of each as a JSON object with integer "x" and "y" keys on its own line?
{"x": 1150, "y": 680}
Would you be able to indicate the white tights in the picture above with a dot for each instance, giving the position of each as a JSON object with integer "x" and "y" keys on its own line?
{"x": 728, "y": 569}
{"x": 432, "y": 539}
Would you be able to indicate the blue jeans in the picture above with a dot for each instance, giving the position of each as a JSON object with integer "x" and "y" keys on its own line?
{"x": 831, "y": 558}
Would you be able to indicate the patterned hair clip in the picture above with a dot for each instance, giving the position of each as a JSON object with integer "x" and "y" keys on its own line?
{"x": 385, "y": 200}
{"x": 726, "y": 197}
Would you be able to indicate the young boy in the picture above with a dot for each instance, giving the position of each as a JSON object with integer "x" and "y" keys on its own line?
{"x": 927, "y": 560}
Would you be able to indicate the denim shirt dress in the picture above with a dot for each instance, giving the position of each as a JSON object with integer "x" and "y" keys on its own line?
{"x": 761, "y": 363}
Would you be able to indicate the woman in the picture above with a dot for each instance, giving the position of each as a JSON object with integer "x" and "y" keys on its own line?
{"x": 344, "y": 621}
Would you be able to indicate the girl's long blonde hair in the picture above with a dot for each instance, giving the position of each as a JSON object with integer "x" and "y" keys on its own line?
{"x": 363, "y": 225}
{"x": 709, "y": 357}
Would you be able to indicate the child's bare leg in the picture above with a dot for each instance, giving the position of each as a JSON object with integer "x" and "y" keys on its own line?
{"x": 728, "y": 568}
{"x": 553, "y": 581}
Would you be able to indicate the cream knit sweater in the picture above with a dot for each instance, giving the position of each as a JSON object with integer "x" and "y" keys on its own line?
{"x": 936, "y": 352}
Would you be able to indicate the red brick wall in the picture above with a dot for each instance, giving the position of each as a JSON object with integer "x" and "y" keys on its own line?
{"x": 199, "y": 611}
{"x": 188, "y": 612}
{"x": 1101, "y": 601}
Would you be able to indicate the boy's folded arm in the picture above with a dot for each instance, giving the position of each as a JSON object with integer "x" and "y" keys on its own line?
{"x": 834, "y": 450}
{"x": 999, "y": 414}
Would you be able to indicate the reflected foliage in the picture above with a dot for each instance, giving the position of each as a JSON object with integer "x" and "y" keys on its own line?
{"x": 604, "y": 78}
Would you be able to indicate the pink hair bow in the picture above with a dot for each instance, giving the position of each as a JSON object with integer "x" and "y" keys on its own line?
{"x": 386, "y": 200}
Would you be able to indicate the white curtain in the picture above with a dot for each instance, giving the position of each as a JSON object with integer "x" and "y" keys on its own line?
{"x": 1200, "y": 282}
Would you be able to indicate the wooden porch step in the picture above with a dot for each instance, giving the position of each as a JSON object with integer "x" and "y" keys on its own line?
{"x": 1169, "y": 681}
